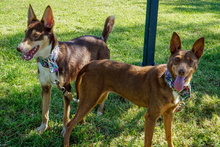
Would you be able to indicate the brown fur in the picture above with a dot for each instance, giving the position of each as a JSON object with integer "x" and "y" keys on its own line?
{"x": 144, "y": 86}
{"x": 73, "y": 55}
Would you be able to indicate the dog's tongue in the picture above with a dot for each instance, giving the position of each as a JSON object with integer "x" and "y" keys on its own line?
{"x": 179, "y": 83}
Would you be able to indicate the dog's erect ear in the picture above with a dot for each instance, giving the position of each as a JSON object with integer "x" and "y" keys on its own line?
{"x": 31, "y": 15}
{"x": 198, "y": 47}
{"x": 47, "y": 18}
{"x": 175, "y": 43}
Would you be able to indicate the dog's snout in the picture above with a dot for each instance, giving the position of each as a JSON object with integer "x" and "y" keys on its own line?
{"x": 19, "y": 49}
{"x": 181, "y": 72}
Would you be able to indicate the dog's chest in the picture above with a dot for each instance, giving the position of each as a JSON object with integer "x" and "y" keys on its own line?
{"x": 45, "y": 76}
{"x": 176, "y": 97}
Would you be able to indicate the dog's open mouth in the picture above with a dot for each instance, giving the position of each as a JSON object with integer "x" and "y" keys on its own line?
{"x": 179, "y": 83}
{"x": 30, "y": 54}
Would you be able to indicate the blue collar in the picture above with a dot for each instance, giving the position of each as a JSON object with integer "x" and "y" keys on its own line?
{"x": 50, "y": 61}
{"x": 184, "y": 93}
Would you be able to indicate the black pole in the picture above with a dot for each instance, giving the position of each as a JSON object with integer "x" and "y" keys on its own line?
{"x": 150, "y": 32}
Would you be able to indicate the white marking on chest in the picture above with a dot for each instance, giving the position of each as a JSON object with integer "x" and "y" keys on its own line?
{"x": 176, "y": 97}
{"x": 45, "y": 77}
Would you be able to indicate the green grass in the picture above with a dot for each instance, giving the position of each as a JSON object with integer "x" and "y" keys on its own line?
{"x": 122, "y": 125}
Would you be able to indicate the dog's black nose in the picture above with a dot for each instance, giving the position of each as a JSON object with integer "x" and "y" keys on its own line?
{"x": 181, "y": 72}
{"x": 19, "y": 49}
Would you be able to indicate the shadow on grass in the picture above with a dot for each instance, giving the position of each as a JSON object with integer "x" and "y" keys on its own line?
{"x": 21, "y": 114}
{"x": 198, "y": 6}
{"x": 21, "y": 111}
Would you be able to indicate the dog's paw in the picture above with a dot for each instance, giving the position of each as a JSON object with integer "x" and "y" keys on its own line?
{"x": 63, "y": 132}
{"x": 179, "y": 108}
{"x": 99, "y": 113}
{"x": 42, "y": 128}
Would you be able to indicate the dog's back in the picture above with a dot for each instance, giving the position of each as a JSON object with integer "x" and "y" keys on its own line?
{"x": 122, "y": 78}
{"x": 81, "y": 50}
{"x": 78, "y": 52}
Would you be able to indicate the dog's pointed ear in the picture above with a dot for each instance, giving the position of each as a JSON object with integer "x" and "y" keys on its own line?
{"x": 175, "y": 43}
{"x": 47, "y": 18}
{"x": 31, "y": 15}
{"x": 198, "y": 47}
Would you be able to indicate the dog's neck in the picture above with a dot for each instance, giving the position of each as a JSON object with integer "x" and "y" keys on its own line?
{"x": 184, "y": 93}
{"x": 50, "y": 61}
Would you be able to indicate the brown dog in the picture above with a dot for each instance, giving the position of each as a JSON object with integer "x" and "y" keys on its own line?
{"x": 60, "y": 62}
{"x": 147, "y": 86}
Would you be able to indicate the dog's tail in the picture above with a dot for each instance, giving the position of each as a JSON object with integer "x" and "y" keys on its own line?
{"x": 109, "y": 23}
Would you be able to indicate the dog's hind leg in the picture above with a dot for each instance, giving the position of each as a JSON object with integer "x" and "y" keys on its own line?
{"x": 167, "y": 118}
{"x": 46, "y": 94}
{"x": 87, "y": 101}
{"x": 83, "y": 109}
{"x": 101, "y": 105}
{"x": 66, "y": 112}
{"x": 101, "y": 109}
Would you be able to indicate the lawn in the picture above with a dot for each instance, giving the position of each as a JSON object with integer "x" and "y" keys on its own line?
{"x": 122, "y": 124}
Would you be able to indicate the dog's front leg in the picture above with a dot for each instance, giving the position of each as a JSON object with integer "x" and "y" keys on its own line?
{"x": 167, "y": 118}
{"x": 46, "y": 94}
{"x": 150, "y": 121}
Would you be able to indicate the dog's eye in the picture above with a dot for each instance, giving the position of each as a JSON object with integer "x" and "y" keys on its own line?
{"x": 190, "y": 60}
{"x": 36, "y": 35}
{"x": 177, "y": 59}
